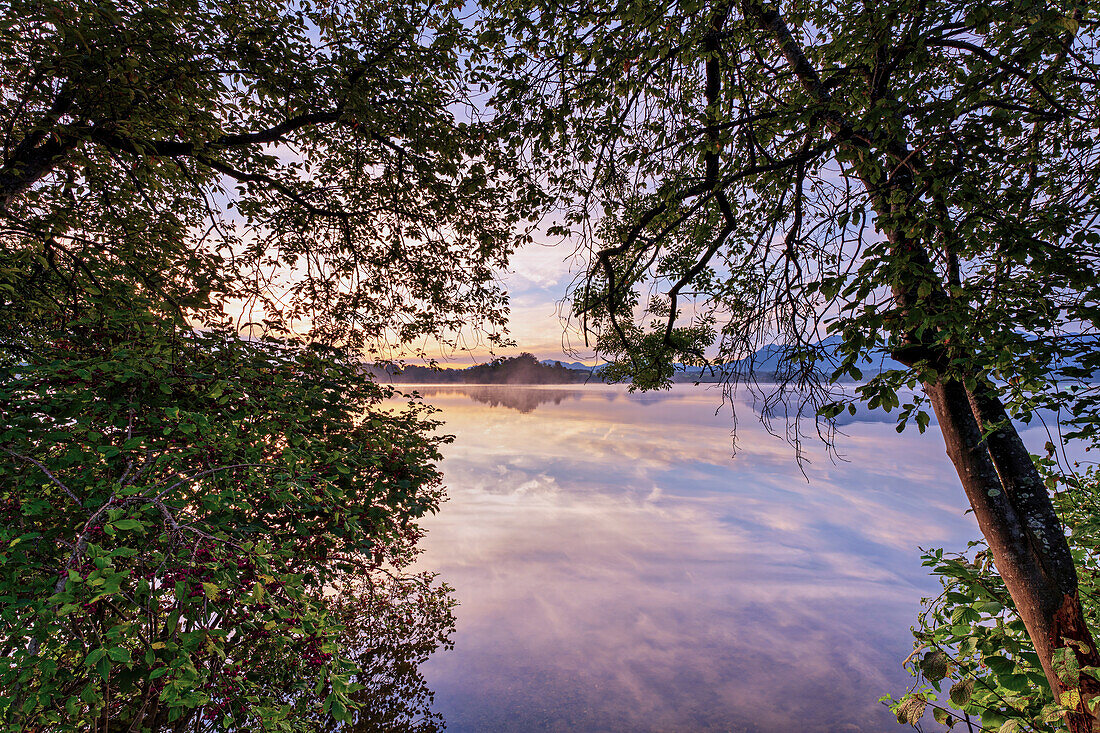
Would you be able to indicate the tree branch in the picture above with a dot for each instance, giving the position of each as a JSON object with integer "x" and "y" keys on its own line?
{"x": 48, "y": 473}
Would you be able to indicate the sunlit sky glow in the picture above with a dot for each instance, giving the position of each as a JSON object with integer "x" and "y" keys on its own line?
{"x": 538, "y": 278}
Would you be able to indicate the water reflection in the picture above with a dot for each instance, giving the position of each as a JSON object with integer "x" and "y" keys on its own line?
{"x": 524, "y": 399}
{"x": 393, "y": 620}
{"x": 617, "y": 570}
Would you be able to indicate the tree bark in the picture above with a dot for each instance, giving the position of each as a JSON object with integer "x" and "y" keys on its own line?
{"x": 1058, "y": 618}
{"x": 28, "y": 166}
{"x": 39, "y": 152}
{"x": 1027, "y": 543}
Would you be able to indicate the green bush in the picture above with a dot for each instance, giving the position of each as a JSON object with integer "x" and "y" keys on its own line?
{"x": 178, "y": 511}
{"x": 973, "y": 660}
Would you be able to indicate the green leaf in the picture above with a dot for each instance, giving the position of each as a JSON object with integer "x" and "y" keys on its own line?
{"x": 943, "y": 717}
{"x": 999, "y": 664}
{"x": 965, "y": 615}
{"x": 1015, "y": 682}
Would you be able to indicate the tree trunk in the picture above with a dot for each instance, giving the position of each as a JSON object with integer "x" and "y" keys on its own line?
{"x": 1060, "y": 614}
{"x": 1028, "y": 545}
{"x": 38, "y": 153}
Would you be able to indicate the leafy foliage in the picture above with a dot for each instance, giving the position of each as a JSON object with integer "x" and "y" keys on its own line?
{"x": 733, "y": 169}
{"x": 917, "y": 178}
{"x": 973, "y": 656}
{"x": 202, "y": 530}
{"x": 319, "y": 164}
{"x": 393, "y": 621}
{"x": 177, "y": 509}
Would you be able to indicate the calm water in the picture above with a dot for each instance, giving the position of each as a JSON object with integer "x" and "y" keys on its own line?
{"x": 617, "y": 570}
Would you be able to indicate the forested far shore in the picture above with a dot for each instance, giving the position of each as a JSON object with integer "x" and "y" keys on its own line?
{"x": 522, "y": 369}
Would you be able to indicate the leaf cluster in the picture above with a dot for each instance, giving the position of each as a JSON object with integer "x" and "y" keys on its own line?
{"x": 973, "y": 659}
{"x": 912, "y": 178}
{"x": 178, "y": 507}
{"x": 318, "y": 166}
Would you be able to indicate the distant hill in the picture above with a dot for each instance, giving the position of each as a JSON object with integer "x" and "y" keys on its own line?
{"x": 766, "y": 361}
{"x": 526, "y": 369}
{"x": 763, "y": 364}
{"x": 571, "y": 365}
{"x": 522, "y": 369}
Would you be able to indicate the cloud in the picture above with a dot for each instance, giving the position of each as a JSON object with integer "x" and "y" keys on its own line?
{"x": 542, "y": 267}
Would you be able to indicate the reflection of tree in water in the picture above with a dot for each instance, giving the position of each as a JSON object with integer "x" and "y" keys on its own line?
{"x": 524, "y": 399}
{"x": 394, "y": 620}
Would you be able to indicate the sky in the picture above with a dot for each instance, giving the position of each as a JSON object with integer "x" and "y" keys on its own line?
{"x": 538, "y": 278}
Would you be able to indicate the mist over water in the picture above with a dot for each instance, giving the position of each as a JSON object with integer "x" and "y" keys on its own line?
{"x": 618, "y": 570}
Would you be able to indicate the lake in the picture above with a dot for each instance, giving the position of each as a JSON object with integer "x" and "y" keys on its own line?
{"x": 618, "y": 570}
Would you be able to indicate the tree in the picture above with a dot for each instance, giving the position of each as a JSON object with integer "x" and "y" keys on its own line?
{"x": 916, "y": 177}
{"x": 320, "y": 161}
{"x": 970, "y": 643}
{"x": 182, "y": 492}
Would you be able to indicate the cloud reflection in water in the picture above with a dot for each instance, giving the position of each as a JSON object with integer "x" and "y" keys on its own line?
{"x": 617, "y": 570}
